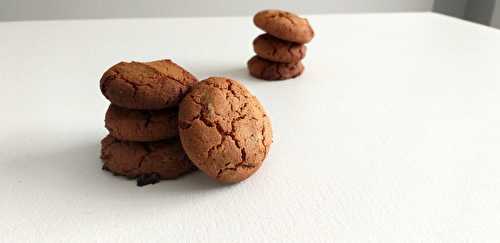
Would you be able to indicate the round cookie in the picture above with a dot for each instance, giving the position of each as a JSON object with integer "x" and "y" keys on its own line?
{"x": 284, "y": 25}
{"x": 148, "y": 162}
{"x": 276, "y": 50}
{"x": 146, "y": 85}
{"x": 224, "y": 129}
{"x": 141, "y": 125}
{"x": 264, "y": 69}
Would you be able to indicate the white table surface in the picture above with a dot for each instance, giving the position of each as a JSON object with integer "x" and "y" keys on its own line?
{"x": 391, "y": 135}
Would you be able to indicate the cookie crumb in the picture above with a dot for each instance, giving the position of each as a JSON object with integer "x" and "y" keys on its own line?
{"x": 148, "y": 179}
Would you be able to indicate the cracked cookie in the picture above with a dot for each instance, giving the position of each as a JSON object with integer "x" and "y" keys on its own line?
{"x": 146, "y": 85}
{"x": 141, "y": 125}
{"x": 224, "y": 129}
{"x": 276, "y": 50}
{"x": 284, "y": 25}
{"x": 264, "y": 69}
{"x": 149, "y": 162}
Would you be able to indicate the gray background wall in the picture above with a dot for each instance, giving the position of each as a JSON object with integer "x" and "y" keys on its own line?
{"x": 62, "y": 9}
{"x": 495, "y": 22}
{"x": 450, "y": 7}
{"x": 482, "y": 11}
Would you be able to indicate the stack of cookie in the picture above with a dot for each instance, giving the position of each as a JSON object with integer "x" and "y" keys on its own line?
{"x": 142, "y": 119}
{"x": 281, "y": 49}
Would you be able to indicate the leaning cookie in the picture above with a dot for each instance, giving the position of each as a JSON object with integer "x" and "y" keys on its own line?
{"x": 146, "y": 85}
{"x": 141, "y": 125}
{"x": 276, "y": 50}
{"x": 224, "y": 129}
{"x": 284, "y": 25}
{"x": 148, "y": 162}
{"x": 267, "y": 70}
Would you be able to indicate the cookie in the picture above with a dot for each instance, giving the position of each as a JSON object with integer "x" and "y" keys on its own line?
{"x": 224, "y": 129}
{"x": 141, "y": 125}
{"x": 264, "y": 69}
{"x": 284, "y": 25}
{"x": 146, "y": 85}
{"x": 148, "y": 162}
{"x": 276, "y": 50}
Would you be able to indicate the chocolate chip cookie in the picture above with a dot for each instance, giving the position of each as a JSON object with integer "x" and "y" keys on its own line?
{"x": 224, "y": 129}
{"x": 146, "y": 85}
{"x": 284, "y": 25}
{"x": 276, "y": 50}
{"x": 267, "y": 70}
{"x": 141, "y": 125}
{"x": 148, "y": 162}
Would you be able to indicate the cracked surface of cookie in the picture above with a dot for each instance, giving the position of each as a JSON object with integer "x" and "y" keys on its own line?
{"x": 284, "y": 25}
{"x": 146, "y": 85}
{"x": 276, "y": 50}
{"x": 145, "y": 161}
{"x": 141, "y": 125}
{"x": 224, "y": 129}
{"x": 268, "y": 70}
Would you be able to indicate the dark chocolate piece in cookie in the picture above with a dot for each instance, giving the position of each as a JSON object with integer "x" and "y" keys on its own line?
{"x": 166, "y": 159}
{"x": 141, "y": 125}
{"x": 284, "y": 25}
{"x": 224, "y": 129}
{"x": 264, "y": 69}
{"x": 276, "y": 50}
{"x": 146, "y": 85}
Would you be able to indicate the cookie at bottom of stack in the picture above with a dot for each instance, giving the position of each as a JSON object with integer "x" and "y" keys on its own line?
{"x": 268, "y": 70}
{"x": 149, "y": 162}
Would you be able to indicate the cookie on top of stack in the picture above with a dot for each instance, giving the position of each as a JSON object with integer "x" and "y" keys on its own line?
{"x": 281, "y": 49}
{"x": 142, "y": 121}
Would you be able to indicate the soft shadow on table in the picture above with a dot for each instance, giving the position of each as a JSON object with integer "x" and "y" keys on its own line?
{"x": 233, "y": 72}
{"x": 240, "y": 73}
{"x": 77, "y": 169}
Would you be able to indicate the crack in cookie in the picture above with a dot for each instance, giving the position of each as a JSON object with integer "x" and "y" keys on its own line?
{"x": 225, "y": 138}
{"x": 140, "y": 125}
{"x": 146, "y": 85}
{"x": 284, "y": 25}
{"x": 165, "y": 158}
{"x": 267, "y": 70}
